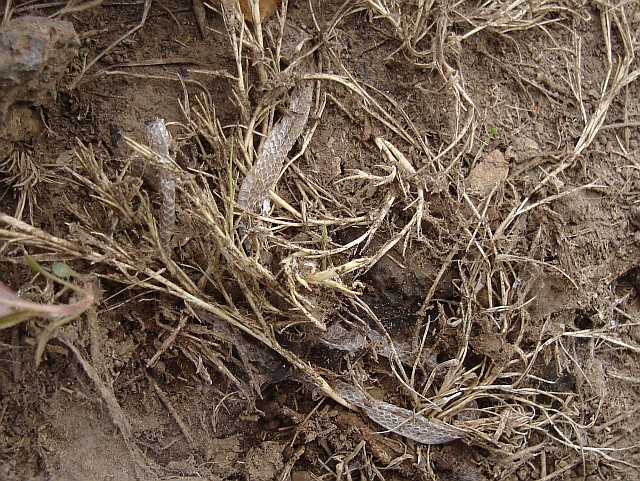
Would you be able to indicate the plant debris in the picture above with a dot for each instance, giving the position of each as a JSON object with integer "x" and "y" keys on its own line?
{"x": 437, "y": 278}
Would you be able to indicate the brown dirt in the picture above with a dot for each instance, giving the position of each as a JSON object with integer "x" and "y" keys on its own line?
{"x": 540, "y": 306}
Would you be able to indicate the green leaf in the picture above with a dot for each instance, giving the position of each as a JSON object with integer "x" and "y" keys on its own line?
{"x": 11, "y": 320}
{"x": 61, "y": 269}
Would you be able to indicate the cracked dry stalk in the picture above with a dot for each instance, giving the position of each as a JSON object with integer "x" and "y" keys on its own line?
{"x": 159, "y": 140}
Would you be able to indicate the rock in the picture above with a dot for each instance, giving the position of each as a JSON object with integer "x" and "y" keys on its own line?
{"x": 301, "y": 476}
{"x": 34, "y": 54}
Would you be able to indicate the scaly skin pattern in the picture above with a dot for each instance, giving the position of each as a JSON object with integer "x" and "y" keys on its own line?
{"x": 399, "y": 420}
{"x": 254, "y": 191}
{"x": 265, "y": 171}
{"x": 337, "y": 337}
{"x": 159, "y": 139}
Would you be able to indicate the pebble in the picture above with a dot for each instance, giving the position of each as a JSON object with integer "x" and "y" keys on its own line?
{"x": 34, "y": 54}
{"x": 301, "y": 476}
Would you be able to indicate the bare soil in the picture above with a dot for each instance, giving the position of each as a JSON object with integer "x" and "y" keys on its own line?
{"x": 521, "y": 277}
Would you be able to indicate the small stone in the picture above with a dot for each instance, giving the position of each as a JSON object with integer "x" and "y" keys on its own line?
{"x": 301, "y": 476}
{"x": 489, "y": 172}
{"x": 34, "y": 54}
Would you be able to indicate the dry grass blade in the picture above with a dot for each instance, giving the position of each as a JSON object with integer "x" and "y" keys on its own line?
{"x": 517, "y": 15}
{"x": 410, "y": 25}
{"x": 116, "y": 195}
{"x": 23, "y": 174}
{"x": 87, "y": 67}
{"x": 157, "y": 282}
{"x": 615, "y": 81}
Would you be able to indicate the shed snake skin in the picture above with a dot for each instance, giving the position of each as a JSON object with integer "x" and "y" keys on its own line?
{"x": 394, "y": 418}
{"x": 265, "y": 171}
{"x": 159, "y": 139}
{"x": 399, "y": 420}
{"x": 254, "y": 194}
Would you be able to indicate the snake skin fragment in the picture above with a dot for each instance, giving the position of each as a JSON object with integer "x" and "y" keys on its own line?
{"x": 399, "y": 420}
{"x": 159, "y": 138}
{"x": 167, "y": 221}
{"x": 385, "y": 348}
{"x": 264, "y": 173}
{"x": 337, "y": 337}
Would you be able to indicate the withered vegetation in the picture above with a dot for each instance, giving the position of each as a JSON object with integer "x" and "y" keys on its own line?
{"x": 514, "y": 355}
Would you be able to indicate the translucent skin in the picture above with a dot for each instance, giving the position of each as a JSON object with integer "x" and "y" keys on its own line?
{"x": 399, "y": 420}
{"x": 265, "y": 171}
{"x": 159, "y": 140}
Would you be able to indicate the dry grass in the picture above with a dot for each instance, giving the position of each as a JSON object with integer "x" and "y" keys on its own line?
{"x": 23, "y": 174}
{"x": 510, "y": 409}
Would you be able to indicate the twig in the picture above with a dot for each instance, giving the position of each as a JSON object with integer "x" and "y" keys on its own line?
{"x": 167, "y": 402}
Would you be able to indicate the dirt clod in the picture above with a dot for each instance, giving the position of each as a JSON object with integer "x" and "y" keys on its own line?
{"x": 34, "y": 54}
{"x": 492, "y": 170}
